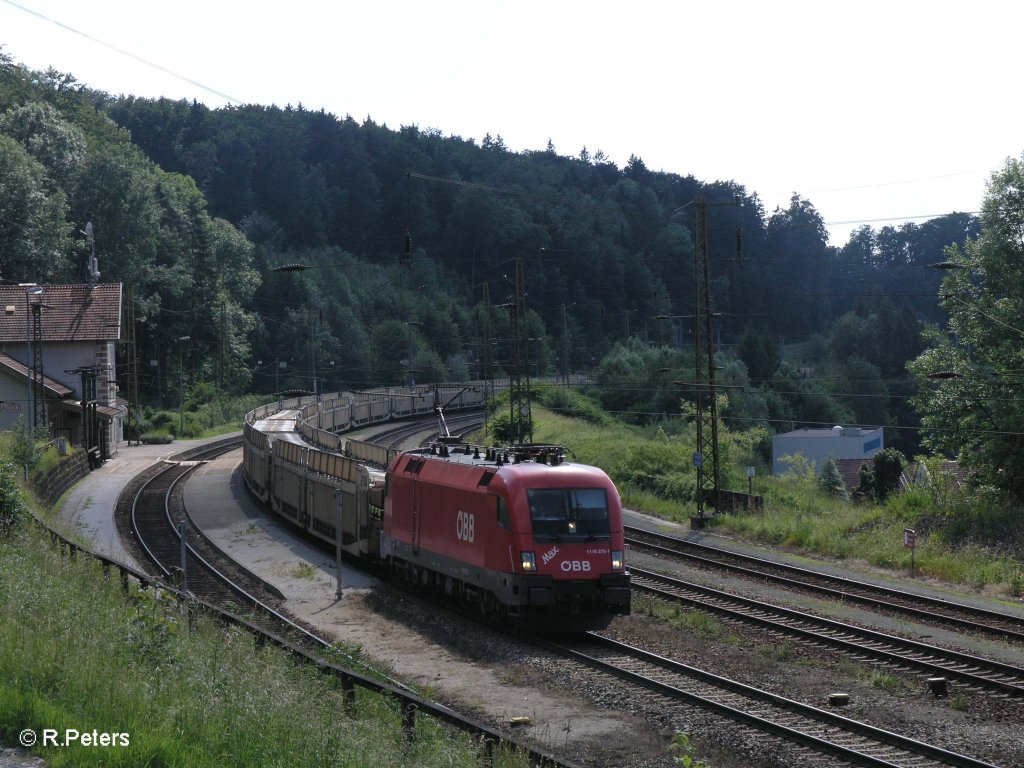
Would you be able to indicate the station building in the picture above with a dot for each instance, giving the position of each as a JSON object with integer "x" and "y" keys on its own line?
{"x": 57, "y": 343}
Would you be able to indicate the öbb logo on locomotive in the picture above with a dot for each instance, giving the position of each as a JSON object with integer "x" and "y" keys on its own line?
{"x": 576, "y": 566}
{"x": 546, "y": 533}
{"x": 465, "y": 527}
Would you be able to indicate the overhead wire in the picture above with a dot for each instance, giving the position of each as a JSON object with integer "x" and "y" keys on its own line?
{"x": 123, "y": 52}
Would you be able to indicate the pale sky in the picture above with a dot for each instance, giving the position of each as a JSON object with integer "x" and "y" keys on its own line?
{"x": 876, "y": 112}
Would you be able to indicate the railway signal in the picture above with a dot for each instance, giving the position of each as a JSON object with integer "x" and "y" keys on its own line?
{"x": 910, "y": 542}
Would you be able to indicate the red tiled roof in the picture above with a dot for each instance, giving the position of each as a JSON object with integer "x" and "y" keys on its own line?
{"x": 849, "y": 469}
{"x": 955, "y": 473}
{"x": 70, "y": 312}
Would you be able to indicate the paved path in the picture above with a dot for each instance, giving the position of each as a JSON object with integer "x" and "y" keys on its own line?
{"x": 89, "y": 505}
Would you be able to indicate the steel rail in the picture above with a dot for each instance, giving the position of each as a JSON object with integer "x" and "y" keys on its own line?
{"x": 933, "y": 609}
{"x": 786, "y": 718}
{"x": 900, "y": 651}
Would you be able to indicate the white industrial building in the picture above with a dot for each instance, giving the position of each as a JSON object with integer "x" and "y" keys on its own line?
{"x": 817, "y": 445}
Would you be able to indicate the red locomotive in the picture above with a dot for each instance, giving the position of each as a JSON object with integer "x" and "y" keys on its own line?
{"x": 520, "y": 533}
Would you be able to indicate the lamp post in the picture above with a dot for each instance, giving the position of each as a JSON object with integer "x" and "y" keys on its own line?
{"x": 662, "y": 318}
{"x": 412, "y": 371}
{"x": 135, "y": 416}
{"x": 626, "y": 313}
{"x": 182, "y": 340}
{"x": 94, "y": 267}
{"x": 538, "y": 339}
{"x": 565, "y": 345}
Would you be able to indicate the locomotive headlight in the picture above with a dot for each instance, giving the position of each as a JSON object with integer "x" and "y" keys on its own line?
{"x": 529, "y": 562}
{"x": 618, "y": 560}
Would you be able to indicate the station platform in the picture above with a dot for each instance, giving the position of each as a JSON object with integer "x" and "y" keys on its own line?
{"x": 221, "y": 507}
{"x": 89, "y": 505}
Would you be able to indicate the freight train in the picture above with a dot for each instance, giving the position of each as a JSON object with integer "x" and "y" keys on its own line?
{"x": 517, "y": 532}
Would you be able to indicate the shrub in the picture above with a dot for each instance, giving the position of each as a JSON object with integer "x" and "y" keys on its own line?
{"x": 158, "y": 420}
{"x": 569, "y": 402}
{"x": 19, "y": 446}
{"x": 12, "y": 507}
{"x": 194, "y": 426}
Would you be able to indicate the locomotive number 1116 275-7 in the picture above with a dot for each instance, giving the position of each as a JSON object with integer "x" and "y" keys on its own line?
{"x": 465, "y": 527}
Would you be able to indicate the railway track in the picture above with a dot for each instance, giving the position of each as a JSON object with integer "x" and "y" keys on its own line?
{"x": 973, "y": 671}
{"x": 155, "y": 515}
{"x": 157, "y": 519}
{"x": 823, "y": 732}
{"x": 394, "y": 438}
{"x": 923, "y": 608}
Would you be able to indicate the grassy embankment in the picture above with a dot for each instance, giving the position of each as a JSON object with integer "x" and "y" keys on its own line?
{"x": 955, "y": 542}
{"x": 77, "y": 653}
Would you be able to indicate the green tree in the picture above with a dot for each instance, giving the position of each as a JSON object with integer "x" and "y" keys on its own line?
{"x": 888, "y": 467}
{"x": 47, "y": 137}
{"x": 855, "y": 334}
{"x": 34, "y": 238}
{"x": 831, "y": 481}
{"x": 861, "y": 389}
{"x": 969, "y": 387}
{"x": 798, "y": 280}
{"x": 638, "y": 381}
{"x": 760, "y": 353}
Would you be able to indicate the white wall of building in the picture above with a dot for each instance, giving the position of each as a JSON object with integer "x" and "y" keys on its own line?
{"x": 818, "y": 445}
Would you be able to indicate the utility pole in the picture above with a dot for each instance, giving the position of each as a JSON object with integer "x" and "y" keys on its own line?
{"x": 134, "y": 406}
{"x": 521, "y": 419}
{"x": 412, "y": 374}
{"x": 706, "y": 457}
{"x": 90, "y": 422}
{"x": 38, "y": 392}
{"x": 487, "y": 358}
{"x": 182, "y": 340}
{"x": 30, "y": 291}
{"x": 565, "y": 350}
{"x": 314, "y": 333}
{"x": 222, "y": 370}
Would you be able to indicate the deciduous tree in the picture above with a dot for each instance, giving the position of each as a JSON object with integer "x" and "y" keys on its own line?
{"x": 970, "y": 393}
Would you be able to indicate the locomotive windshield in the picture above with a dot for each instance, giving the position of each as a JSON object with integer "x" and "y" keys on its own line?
{"x": 567, "y": 513}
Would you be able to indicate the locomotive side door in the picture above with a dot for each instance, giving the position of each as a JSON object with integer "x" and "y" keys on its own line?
{"x": 415, "y": 538}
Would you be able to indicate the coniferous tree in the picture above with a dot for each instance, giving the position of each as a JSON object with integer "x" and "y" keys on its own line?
{"x": 831, "y": 481}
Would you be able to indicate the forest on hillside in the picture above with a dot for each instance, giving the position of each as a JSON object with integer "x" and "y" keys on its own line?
{"x": 410, "y": 239}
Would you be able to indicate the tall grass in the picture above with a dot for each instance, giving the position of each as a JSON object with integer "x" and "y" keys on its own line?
{"x": 961, "y": 538}
{"x": 76, "y": 653}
